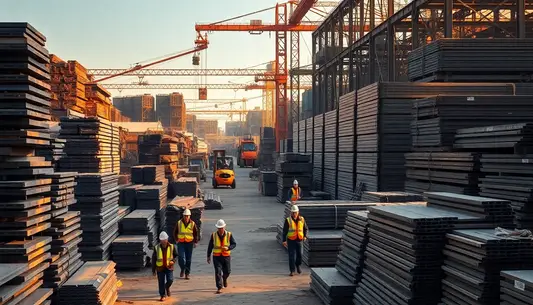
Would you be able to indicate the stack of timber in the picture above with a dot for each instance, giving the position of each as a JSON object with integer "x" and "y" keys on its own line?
{"x": 153, "y": 197}
{"x": 331, "y": 287}
{"x": 128, "y": 195}
{"x": 92, "y": 145}
{"x": 184, "y": 186}
{"x": 330, "y": 153}
{"x": 290, "y": 167}
{"x": 346, "y": 147}
{"x": 351, "y": 257}
{"x": 474, "y": 260}
{"x": 391, "y": 197}
{"x": 98, "y": 101}
{"x": 403, "y": 256}
{"x": 457, "y": 60}
{"x": 159, "y": 149}
{"x": 25, "y": 204}
{"x": 68, "y": 79}
{"x": 174, "y": 212}
{"x": 267, "y": 142}
{"x": 140, "y": 222}
{"x": 97, "y": 201}
{"x": 94, "y": 283}
{"x": 269, "y": 183}
{"x": 321, "y": 248}
{"x": 130, "y": 251}
{"x": 516, "y": 287}
{"x": 212, "y": 201}
{"x": 315, "y": 130}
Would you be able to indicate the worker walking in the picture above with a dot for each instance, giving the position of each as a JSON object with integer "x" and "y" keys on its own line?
{"x": 294, "y": 232}
{"x": 163, "y": 260}
{"x": 186, "y": 234}
{"x": 221, "y": 244}
{"x": 295, "y": 193}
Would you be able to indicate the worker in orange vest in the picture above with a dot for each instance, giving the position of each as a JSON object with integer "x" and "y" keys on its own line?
{"x": 186, "y": 235}
{"x": 221, "y": 244}
{"x": 163, "y": 260}
{"x": 294, "y": 232}
{"x": 295, "y": 193}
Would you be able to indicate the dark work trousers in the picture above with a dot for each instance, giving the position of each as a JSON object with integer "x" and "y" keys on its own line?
{"x": 164, "y": 280}
{"x": 295, "y": 254}
{"x": 185, "y": 256}
{"x": 222, "y": 266}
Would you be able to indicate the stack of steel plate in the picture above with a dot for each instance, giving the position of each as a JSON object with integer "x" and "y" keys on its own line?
{"x": 184, "y": 186}
{"x": 174, "y": 212}
{"x": 457, "y": 60}
{"x": 330, "y": 153}
{"x": 140, "y": 222}
{"x": 317, "y": 148}
{"x": 347, "y": 141}
{"x": 285, "y": 146}
{"x": 269, "y": 183}
{"x": 290, "y": 167}
{"x": 128, "y": 195}
{"x": 94, "y": 283}
{"x": 331, "y": 287}
{"x": 320, "y": 195}
{"x": 327, "y": 214}
{"x": 92, "y": 145}
{"x": 391, "y": 197}
{"x": 267, "y": 142}
{"x": 130, "y": 251}
{"x": 321, "y": 248}
{"x": 516, "y": 287}
{"x": 123, "y": 211}
{"x": 153, "y": 197}
{"x": 97, "y": 200}
{"x": 403, "y": 256}
{"x": 54, "y": 152}
{"x": 454, "y": 172}
{"x": 511, "y": 138}
{"x": 474, "y": 260}
{"x": 212, "y": 201}
{"x": 351, "y": 257}
{"x": 309, "y": 136}
{"x": 147, "y": 174}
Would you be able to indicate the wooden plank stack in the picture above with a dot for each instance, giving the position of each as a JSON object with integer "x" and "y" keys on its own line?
{"x": 68, "y": 79}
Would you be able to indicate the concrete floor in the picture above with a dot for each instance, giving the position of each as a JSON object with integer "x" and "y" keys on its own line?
{"x": 259, "y": 264}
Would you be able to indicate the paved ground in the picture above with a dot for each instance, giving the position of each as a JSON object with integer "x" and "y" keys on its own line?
{"x": 259, "y": 264}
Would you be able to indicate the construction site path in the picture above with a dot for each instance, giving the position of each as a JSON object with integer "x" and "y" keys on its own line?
{"x": 259, "y": 265}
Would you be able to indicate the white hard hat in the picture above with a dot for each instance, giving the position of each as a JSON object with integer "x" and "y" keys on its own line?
{"x": 163, "y": 236}
{"x": 220, "y": 224}
{"x": 294, "y": 209}
{"x": 295, "y": 182}
{"x": 187, "y": 212}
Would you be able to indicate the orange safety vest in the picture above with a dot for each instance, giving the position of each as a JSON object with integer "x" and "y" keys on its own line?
{"x": 218, "y": 244}
{"x": 185, "y": 235}
{"x": 170, "y": 252}
{"x": 295, "y": 194}
{"x": 295, "y": 232}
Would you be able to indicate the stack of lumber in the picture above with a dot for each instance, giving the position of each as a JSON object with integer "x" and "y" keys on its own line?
{"x": 351, "y": 257}
{"x": 269, "y": 183}
{"x": 212, "y": 201}
{"x": 68, "y": 81}
{"x": 516, "y": 287}
{"x": 98, "y": 101}
{"x": 158, "y": 149}
{"x": 184, "y": 186}
{"x": 130, "y": 251}
{"x": 25, "y": 203}
{"x": 331, "y": 287}
{"x": 128, "y": 195}
{"x": 140, "y": 222}
{"x": 147, "y": 174}
{"x": 94, "y": 283}
{"x": 97, "y": 201}
{"x": 92, "y": 145}
{"x": 174, "y": 212}
{"x": 290, "y": 167}
{"x": 321, "y": 248}
{"x": 153, "y": 197}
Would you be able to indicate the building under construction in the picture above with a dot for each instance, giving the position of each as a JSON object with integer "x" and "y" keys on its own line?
{"x": 139, "y": 108}
{"x": 190, "y": 123}
{"x": 170, "y": 110}
{"x": 204, "y": 127}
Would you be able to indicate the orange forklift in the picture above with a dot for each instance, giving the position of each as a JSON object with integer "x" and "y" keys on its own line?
{"x": 223, "y": 174}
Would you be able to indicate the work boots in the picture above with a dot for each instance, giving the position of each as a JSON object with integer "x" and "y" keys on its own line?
{"x": 298, "y": 270}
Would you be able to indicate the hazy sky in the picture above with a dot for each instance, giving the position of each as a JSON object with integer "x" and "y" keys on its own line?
{"x": 119, "y": 33}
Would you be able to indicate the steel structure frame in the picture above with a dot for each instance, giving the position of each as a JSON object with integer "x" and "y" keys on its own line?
{"x": 179, "y": 72}
{"x": 195, "y": 86}
{"x": 348, "y": 60}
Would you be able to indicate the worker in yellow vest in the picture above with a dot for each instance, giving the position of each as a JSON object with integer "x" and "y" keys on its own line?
{"x": 221, "y": 244}
{"x": 163, "y": 260}
{"x": 186, "y": 235}
{"x": 295, "y": 193}
{"x": 294, "y": 232}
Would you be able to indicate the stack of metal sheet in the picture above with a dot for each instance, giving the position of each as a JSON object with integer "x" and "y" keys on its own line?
{"x": 128, "y": 195}
{"x": 403, "y": 256}
{"x": 321, "y": 248}
{"x": 269, "y": 183}
{"x": 309, "y": 136}
{"x": 330, "y": 152}
{"x": 317, "y": 148}
{"x": 511, "y": 138}
{"x": 97, "y": 200}
{"x": 54, "y": 151}
{"x": 347, "y": 150}
{"x": 267, "y": 142}
{"x": 516, "y": 287}
{"x": 285, "y": 145}
{"x": 391, "y": 197}
{"x": 212, "y": 201}
{"x": 140, "y": 222}
{"x": 290, "y": 167}
{"x": 184, "y": 186}
{"x": 123, "y": 211}
{"x": 148, "y": 174}
{"x": 94, "y": 283}
{"x": 331, "y": 287}
{"x": 153, "y": 197}
{"x": 457, "y": 60}
{"x": 474, "y": 260}
{"x": 130, "y": 251}
{"x": 455, "y": 172}
{"x": 92, "y": 145}
{"x": 351, "y": 257}
{"x": 174, "y": 212}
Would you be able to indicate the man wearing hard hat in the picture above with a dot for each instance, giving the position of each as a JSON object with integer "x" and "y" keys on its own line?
{"x": 221, "y": 244}
{"x": 294, "y": 232}
{"x": 186, "y": 235}
{"x": 295, "y": 193}
{"x": 163, "y": 260}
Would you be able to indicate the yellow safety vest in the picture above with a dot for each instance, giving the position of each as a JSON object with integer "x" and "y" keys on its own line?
{"x": 218, "y": 244}
{"x": 170, "y": 253}
{"x": 295, "y": 194}
{"x": 185, "y": 235}
{"x": 294, "y": 232}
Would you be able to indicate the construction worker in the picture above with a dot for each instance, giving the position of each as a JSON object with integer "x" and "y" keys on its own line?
{"x": 221, "y": 244}
{"x": 294, "y": 232}
{"x": 163, "y": 260}
{"x": 295, "y": 193}
{"x": 186, "y": 234}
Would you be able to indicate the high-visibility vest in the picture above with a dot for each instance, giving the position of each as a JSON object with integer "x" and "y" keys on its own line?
{"x": 170, "y": 253}
{"x": 185, "y": 235}
{"x": 218, "y": 244}
{"x": 295, "y": 232}
{"x": 295, "y": 194}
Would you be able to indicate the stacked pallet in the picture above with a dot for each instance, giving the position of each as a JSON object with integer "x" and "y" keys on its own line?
{"x": 24, "y": 207}
{"x": 321, "y": 248}
{"x": 212, "y": 201}
{"x": 316, "y": 146}
{"x": 92, "y": 145}
{"x": 403, "y": 256}
{"x": 351, "y": 257}
{"x": 391, "y": 197}
{"x": 331, "y": 287}
{"x": 184, "y": 186}
{"x": 140, "y": 222}
{"x": 159, "y": 149}
{"x": 474, "y": 260}
{"x": 516, "y": 287}
{"x": 330, "y": 153}
{"x": 94, "y": 283}
{"x": 97, "y": 201}
{"x": 130, "y": 252}
{"x": 269, "y": 183}
{"x": 346, "y": 146}
{"x": 290, "y": 167}
{"x": 174, "y": 212}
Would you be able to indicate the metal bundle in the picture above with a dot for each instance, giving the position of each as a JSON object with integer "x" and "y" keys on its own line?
{"x": 291, "y": 166}
{"x": 512, "y": 138}
{"x": 54, "y": 151}
{"x": 350, "y": 260}
{"x": 130, "y": 252}
{"x": 147, "y": 174}
{"x": 128, "y": 195}
{"x": 331, "y": 287}
{"x": 184, "y": 186}
{"x": 516, "y": 287}
{"x": 267, "y": 142}
{"x": 330, "y": 152}
{"x": 269, "y": 183}
{"x": 316, "y": 146}
{"x": 391, "y": 197}
{"x": 212, "y": 201}
{"x": 140, "y": 222}
{"x": 321, "y": 248}
{"x": 309, "y": 135}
